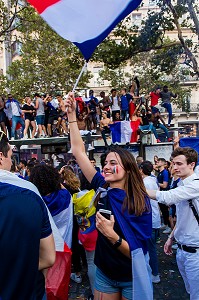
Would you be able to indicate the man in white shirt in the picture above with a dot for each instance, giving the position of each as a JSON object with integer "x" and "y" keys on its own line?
{"x": 186, "y": 231}
{"x": 150, "y": 182}
{"x": 13, "y": 108}
{"x": 115, "y": 103}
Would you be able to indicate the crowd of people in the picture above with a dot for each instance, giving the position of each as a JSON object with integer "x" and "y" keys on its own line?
{"x": 45, "y": 115}
{"x": 110, "y": 216}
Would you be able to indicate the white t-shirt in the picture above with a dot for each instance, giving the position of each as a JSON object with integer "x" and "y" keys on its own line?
{"x": 115, "y": 103}
{"x": 55, "y": 158}
{"x": 150, "y": 183}
{"x": 15, "y": 110}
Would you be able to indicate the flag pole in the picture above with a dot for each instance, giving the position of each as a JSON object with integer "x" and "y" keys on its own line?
{"x": 80, "y": 74}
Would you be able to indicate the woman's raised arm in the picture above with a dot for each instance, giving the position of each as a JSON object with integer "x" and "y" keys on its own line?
{"x": 77, "y": 145}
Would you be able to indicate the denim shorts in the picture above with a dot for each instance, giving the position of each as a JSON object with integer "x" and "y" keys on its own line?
{"x": 40, "y": 119}
{"x": 105, "y": 285}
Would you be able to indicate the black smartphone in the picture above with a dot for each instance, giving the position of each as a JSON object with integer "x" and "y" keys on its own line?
{"x": 105, "y": 213}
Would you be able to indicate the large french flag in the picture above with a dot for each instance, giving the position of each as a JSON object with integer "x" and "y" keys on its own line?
{"x": 60, "y": 206}
{"x": 122, "y": 132}
{"x": 86, "y": 23}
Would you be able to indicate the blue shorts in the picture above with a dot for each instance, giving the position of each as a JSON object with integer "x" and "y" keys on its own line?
{"x": 40, "y": 119}
{"x": 106, "y": 285}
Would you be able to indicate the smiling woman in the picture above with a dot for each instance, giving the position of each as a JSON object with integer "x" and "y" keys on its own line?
{"x": 122, "y": 192}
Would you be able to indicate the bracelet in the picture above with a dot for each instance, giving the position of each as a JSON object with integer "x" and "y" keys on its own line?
{"x": 72, "y": 122}
{"x": 171, "y": 237}
{"x": 117, "y": 243}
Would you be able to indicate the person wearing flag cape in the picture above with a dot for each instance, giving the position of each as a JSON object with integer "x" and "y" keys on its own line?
{"x": 121, "y": 255}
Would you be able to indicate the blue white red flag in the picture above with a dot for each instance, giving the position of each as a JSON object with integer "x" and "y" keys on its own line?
{"x": 12, "y": 179}
{"x": 60, "y": 206}
{"x": 122, "y": 132}
{"x": 86, "y": 23}
{"x": 136, "y": 229}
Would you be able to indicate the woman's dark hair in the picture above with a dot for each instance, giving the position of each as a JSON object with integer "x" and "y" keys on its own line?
{"x": 134, "y": 186}
{"x": 46, "y": 178}
{"x": 4, "y": 144}
{"x": 146, "y": 167}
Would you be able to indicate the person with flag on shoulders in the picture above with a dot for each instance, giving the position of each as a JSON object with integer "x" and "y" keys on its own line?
{"x": 57, "y": 198}
{"x": 26, "y": 243}
{"x": 121, "y": 251}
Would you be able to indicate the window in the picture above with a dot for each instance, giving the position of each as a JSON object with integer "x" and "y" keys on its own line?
{"x": 153, "y": 2}
{"x": 96, "y": 77}
{"x": 136, "y": 19}
{"x": 16, "y": 48}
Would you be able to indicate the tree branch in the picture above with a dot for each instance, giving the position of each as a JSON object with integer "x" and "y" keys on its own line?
{"x": 193, "y": 15}
{"x": 180, "y": 36}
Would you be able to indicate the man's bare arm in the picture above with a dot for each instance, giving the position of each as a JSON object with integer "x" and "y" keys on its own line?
{"x": 47, "y": 252}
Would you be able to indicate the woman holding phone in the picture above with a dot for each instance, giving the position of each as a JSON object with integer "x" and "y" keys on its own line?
{"x": 122, "y": 239}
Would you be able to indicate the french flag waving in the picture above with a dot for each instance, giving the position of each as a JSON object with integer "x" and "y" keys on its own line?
{"x": 86, "y": 23}
{"x": 122, "y": 132}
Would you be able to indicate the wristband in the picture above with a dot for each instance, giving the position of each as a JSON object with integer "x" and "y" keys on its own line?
{"x": 72, "y": 122}
{"x": 117, "y": 243}
{"x": 171, "y": 237}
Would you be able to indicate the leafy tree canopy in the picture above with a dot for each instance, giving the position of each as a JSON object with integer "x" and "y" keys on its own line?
{"x": 47, "y": 62}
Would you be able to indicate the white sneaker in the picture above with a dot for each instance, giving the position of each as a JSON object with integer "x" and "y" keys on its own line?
{"x": 12, "y": 139}
{"x": 155, "y": 279}
{"x": 70, "y": 151}
{"x": 76, "y": 278}
{"x": 90, "y": 147}
{"x": 163, "y": 226}
{"x": 167, "y": 230}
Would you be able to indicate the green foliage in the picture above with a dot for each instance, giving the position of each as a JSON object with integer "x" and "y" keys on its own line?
{"x": 149, "y": 53}
{"x": 150, "y": 76}
{"x": 47, "y": 63}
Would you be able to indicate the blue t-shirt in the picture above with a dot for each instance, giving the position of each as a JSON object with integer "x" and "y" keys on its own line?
{"x": 163, "y": 176}
{"x": 23, "y": 222}
{"x": 110, "y": 261}
{"x": 125, "y": 101}
{"x": 91, "y": 105}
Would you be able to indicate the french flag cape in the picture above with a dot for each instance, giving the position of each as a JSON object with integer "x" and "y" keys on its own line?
{"x": 122, "y": 132}
{"x": 86, "y": 23}
{"x": 58, "y": 276}
{"x": 60, "y": 206}
{"x": 136, "y": 229}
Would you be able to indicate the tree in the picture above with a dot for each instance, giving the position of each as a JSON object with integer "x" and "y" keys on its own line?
{"x": 47, "y": 62}
{"x": 9, "y": 12}
{"x": 126, "y": 41}
{"x": 177, "y": 12}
